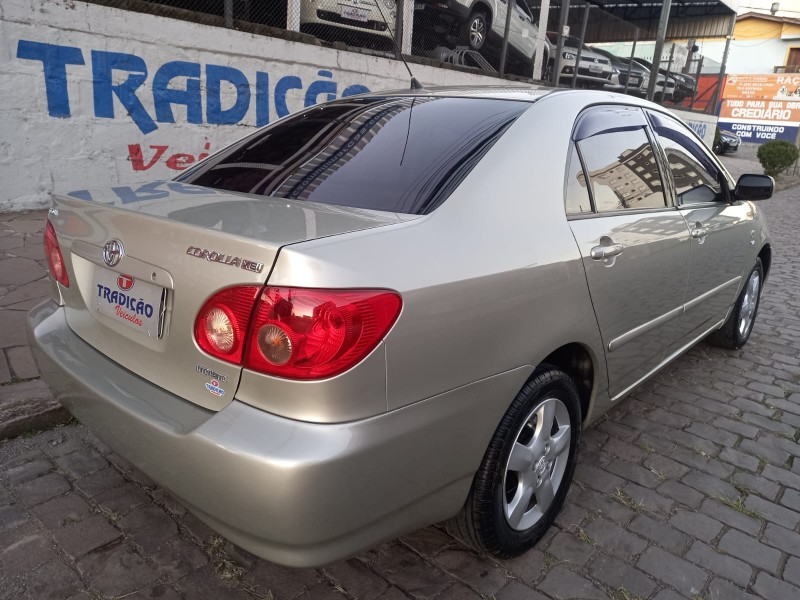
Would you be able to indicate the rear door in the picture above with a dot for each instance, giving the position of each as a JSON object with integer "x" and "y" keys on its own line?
{"x": 635, "y": 245}
{"x": 721, "y": 231}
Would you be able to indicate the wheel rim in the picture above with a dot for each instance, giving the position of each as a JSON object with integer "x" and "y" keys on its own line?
{"x": 477, "y": 31}
{"x": 749, "y": 304}
{"x": 536, "y": 464}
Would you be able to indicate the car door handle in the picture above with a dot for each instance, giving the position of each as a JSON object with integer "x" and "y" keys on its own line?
{"x": 603, "y": 252}
{"x": 699, "y": 232}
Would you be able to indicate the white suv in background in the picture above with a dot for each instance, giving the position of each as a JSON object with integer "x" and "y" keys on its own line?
{"x": 480, "y": 25}
{"x": 364, "y": 21}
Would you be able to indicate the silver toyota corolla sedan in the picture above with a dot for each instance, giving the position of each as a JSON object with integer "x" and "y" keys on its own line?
{"x": 395, "y": 309}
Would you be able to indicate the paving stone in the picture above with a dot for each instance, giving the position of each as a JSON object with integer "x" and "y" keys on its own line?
{"x": 616, "y": 574}
{"x": 691, "y": 458}
{"x": 358, "y": 579}
{"x": 282, "y": 582}
{"x": 472, "y": 570}
{"x": 27, "y": 471}
{"x": 791, "y": 499}
{"x": 604, "y": 505}
{"x": 528, "y": 567}
{"x": 11, "y": 517}
{"x": 158, "y": 591}
{"x": 775, "y": 589}
{"x": 648, "y": 499}
{"x": 21, "y": 361}
{"x": 791, "y": 573}
{"x": 782, "y": 476}
{"x": 615, "y": 540}
{"x": 410, "y": 573}
{"x": 569, "y": 548}
{"x": 668, "y": 594}
{"x": 635, "y": 473}
{"x": 696, "y": 524}
{"x": 727, "y": 515}
{"x": 196, "y": 528}
{"x": 81, "y": 463}
{"x": 769, "y": 424}
{"x": 749, "y": 550}
{"x": 624, "y": 450}
{"x": 81, "y": 538}
{"x": 177, "y": 559}
{"x": 776, "y": 456}
{"x": 667, "y": 467}
{"x": 663, "y": 535}
{"x": 571, "y": 514}
{"x": 5, "y": 371}
{"x": 562, "y": 583}
{"x": 429, "y": 541}
{"x": 150, "y": 527}
{"x": 99, "y": 482}
{"x": 35, "y": 290}
{"x": 170, "y": 502}
{"x": 42, "y": 488}
{"x": 756, "y": 484}
{"x": 719, "y": 589}
{"x": 782, "y": 538}
{"x": 202, "y": 585}
{"x": 142, "y": 479}
{"x": 597, "y": 479}
{"x": 736, "y": 427}
{"x": 53, "y": 580}
{"x": 680, "y": 574}
{"x": 18, "y": 271}
{"x": 711, "y": 486}
{"x": 121, "y": 500}
{"x": 740, "y": 459}
{"x": 116, "y": 571}
{"x": 24, "y": 554}
{"x": 773, "y": 512}
{"x": 518, "y": 591}
{"x": 720, "y": 564}
{"x": 62, "y": 445}
{"x": 681, "y": 493}
{"x": 61, "y": 511}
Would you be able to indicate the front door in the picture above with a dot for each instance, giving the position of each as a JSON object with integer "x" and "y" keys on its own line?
{"x": 635, "y": 246}
{"x": 721, "y": 231}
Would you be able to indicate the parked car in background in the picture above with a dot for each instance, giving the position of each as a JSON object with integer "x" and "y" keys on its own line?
{"x": 354, "y": 22}
{"x": 480, "y": 25}
{"x": 665, "y": 86}
{"x": 685, "y": 85}
{"x": 726, "y": 141}
{"x": 268, "y": 337}
{"x": 594, "y": 70}
{"x": 626, "y": 76}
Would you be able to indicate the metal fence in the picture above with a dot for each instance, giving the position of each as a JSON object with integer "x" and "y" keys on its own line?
{"x": 573, "y": 44}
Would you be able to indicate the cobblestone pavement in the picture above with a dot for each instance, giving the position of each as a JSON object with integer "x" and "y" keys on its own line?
{"x": 690, "y": 488}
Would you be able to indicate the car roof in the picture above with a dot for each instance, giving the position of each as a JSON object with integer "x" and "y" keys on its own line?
{"x": 529, "y": 93}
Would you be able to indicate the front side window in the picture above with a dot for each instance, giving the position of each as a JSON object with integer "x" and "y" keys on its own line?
{"x": 622, "y": 170}
{"x": 402, "y": 154}
{"x": 696, "y": 177}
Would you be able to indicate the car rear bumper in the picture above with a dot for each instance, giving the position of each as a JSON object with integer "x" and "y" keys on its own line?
{"x": 296, "y": 493}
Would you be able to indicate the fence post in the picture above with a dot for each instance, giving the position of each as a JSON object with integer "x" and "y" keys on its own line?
{"x": 510, "y": 5}
{"x": 293, "y": 15}
{"x": 541, "y": 40}
{"x": 228, "y": 12}
{"x": 398, "y": 28}
{"x": 697, "y": 78}
{"x": 630, "y": 60}
{"x": 586, "y": 8}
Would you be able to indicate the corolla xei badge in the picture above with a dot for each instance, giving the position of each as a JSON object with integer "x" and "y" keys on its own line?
{"x": 113, "y": 252}
{"x": 225, "y": 259}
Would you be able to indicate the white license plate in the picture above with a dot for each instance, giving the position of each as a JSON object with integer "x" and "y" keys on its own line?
{"x": 353, "y": 13}
{"x": 419, "y": 6}
{"x": 635, "y": 81}
{"x": 133, "y": 302}
{"x": 595, "y": 68}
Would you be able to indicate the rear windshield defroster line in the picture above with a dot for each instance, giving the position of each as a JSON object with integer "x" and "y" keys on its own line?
{"x": 403, "y": 154}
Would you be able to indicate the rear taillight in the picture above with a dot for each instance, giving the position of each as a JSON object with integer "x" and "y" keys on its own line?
{"x": 55, "y": 259}
{"x": 221, "y": 325}
{"x": 293, "y": 332}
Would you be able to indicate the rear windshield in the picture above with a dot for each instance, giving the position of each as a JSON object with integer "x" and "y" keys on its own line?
{"x": 397, "y": 154}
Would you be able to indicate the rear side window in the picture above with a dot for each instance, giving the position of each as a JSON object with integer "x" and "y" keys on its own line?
{"x": 397, "y": 154}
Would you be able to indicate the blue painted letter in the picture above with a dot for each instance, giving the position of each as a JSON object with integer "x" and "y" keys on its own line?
{"x": 103, "y": 65}
{"x": 215, "y": 114}
{"x": 54, "y": 59}
{"x": 321, "y": 87}
{"x": 262, "y": 98}
{"x": 164, "y": 96}
{"x": 290, "y": 82}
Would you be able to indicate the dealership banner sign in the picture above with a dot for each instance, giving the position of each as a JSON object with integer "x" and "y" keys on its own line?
{"x": 760, "y": 108}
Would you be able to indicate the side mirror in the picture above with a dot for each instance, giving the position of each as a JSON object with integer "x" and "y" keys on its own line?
{"x": 754, "y": 187}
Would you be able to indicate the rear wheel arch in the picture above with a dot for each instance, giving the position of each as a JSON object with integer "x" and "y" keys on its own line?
{"x": 577, "y": 361}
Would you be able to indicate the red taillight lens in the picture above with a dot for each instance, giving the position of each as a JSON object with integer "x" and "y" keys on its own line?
{"x": 54, "y": 257}
{"x": 221, "y": 325}
{"x": 311, "y": 334}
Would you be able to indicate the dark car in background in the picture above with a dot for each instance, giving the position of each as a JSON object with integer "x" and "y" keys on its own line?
{"x": 726, "y": 141}
{"x": 685, "y": 85}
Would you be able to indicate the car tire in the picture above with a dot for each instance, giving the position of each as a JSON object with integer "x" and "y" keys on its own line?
{"x": 718, "y": 149}
{"x": 735, "y": 332}
{"x": 516, "y": 496}
{"x": 476, "y": 30}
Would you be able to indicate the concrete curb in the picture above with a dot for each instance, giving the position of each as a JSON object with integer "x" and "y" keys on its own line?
{"x": 28, "y": 406}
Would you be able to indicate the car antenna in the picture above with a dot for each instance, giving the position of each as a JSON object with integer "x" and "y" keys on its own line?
{"x": 415, "y": 85}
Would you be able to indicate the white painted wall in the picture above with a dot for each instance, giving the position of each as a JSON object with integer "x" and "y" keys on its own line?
{"x": 70, "y": 131}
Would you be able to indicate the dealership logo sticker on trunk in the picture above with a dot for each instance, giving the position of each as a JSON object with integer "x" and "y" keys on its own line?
{"x": 125, "y": 282}
{"x": 213, "y": 387}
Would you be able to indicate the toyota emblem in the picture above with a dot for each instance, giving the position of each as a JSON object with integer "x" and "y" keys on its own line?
{"x": 113, "y": 252}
